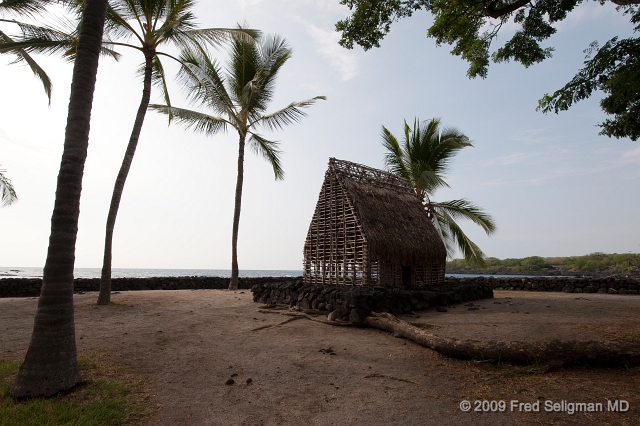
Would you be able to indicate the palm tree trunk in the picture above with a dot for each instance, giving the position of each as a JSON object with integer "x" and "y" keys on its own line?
{"x": 51, "y": 363}
{"x": 105, "y": 280}
{"x": 233, "y": 284}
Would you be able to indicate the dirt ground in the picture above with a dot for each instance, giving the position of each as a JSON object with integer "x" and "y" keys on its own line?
{"x": 188, "y": 343}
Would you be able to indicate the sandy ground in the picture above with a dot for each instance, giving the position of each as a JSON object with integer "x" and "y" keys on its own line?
{"x": 188, "y": 343}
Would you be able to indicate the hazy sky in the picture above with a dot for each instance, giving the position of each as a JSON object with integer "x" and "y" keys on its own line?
{"x": 554, "y": 187}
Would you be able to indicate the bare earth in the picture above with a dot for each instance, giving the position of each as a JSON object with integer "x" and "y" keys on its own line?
{"x": 188, "y": 343}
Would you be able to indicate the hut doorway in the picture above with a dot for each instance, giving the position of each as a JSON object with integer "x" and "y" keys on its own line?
{"x": 406, "y": 276}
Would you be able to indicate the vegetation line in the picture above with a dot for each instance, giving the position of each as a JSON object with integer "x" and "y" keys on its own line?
{"x": 591, "y": 264}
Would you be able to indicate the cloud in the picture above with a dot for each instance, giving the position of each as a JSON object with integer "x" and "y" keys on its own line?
{"x": 248, "y": 3}
{"x": 531, "y": 136}
{"x": 516, "y": 158}
{"x": 341, "y": 59}
{"x": 632, "y": 156}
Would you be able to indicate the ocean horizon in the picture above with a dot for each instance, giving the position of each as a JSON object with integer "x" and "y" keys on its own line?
{"x": 35, "y": 272}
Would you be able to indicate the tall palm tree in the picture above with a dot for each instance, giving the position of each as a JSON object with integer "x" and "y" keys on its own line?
{"x": 51, "y": 362}
{"x": 423, "y": 158}
{"x": 238, "y": 99}
{"x": 7, "y": 193}
{"x": 152, "y": 24}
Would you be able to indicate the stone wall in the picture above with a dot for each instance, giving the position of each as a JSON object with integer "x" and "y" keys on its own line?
{"x": 355, "y": 303}
{"x": 606, "y": 285}
{"x": 30, "y": 287}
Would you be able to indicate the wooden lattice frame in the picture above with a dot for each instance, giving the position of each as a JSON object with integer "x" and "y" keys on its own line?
{"x": 336, "y": 250}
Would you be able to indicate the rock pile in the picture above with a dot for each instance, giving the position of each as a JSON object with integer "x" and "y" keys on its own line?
{"x": 355, "y": 303}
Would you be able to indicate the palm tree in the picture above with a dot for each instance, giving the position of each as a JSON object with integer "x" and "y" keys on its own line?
{"x": 51, "y": 362}
{"x": 7, "y": 193}
{"x": 238, "y": 99}
{"x": 423, "y": 158}
{"x": 151, "y": 23}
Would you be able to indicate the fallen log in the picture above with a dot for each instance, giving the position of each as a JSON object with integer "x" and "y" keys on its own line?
{"x": 554, "y": 353}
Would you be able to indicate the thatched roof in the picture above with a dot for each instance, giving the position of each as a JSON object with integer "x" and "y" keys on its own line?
{"x": 394, "y": 221}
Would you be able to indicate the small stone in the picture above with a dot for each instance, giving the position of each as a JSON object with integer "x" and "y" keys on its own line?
{"x": 229, "y": 382}
{"x": 234, "y": 374}
{"x": 338, "y": 313}
{"x": 249, "y": 381}
{"x": 358, "y": 315}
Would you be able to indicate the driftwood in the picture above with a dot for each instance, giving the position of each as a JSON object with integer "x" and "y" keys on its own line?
{"x": 554, "y": 353}
{"x": 301, "y": 314}
{"x": 385, "y": 376}
{"x": 278, "y": 324}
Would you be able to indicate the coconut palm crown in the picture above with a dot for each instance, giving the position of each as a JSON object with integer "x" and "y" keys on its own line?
{"x": 238, "y": 99}
{"x": 423, "y": 158}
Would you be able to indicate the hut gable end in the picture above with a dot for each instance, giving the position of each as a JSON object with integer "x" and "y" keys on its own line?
{"x": 369, "y": 227}
{"x": 335, "y": 240}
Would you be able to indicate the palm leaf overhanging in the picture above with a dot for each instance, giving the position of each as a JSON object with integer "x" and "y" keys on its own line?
{"x": 424, "y": 157}
{"x": 8, "y": 194}
{"x": 29, "y": 9}
{"x": 237, "y": 96}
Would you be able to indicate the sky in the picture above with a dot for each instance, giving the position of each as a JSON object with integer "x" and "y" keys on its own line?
{"x": 552, "y": 184}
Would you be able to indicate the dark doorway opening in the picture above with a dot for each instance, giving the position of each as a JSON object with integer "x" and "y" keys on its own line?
{"x": 406, "y": 276}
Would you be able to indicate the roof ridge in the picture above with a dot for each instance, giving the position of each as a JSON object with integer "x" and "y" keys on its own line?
{"x": 365, "y": 174}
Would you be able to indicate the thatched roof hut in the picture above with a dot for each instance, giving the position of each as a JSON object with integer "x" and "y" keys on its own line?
{"x": 370, "y": 228}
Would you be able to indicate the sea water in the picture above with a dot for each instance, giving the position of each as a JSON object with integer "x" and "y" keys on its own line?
{"x": 34, "y": 272}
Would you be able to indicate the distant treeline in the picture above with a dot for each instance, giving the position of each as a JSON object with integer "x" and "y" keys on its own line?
{"x": 591, "y": 264}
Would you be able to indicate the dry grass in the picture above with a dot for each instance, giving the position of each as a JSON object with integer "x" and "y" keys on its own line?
{"x": 107, "y": 396}
{"x": 531, "y": 383}
{"x": 628, "y": 333}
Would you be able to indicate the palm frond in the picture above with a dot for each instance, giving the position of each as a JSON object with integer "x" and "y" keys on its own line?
{"x": 439, "y": 222}
{"x": 470, "y": 250}
{"x": 394, "y": 157}
{"x": 8, "y": 194}
{"x": 290, "y": 114}
{"x": 273, "y": 53}
{"x": 159, "y": 80}
{"x": 202, "y": 80}
{"x": 185, "y": 38}
{"x": 33, "y": 65}
{"x": 242, "y": 69}
{"x": 464, "y": 209}
{"x": 269, "y": 151}
{"x": 41, "y": 39}
{"x": 427, "y": 180}
{"x": 27, "y": 8}
{"x": 199, "y": 122}
{"x": 117, "y": 27}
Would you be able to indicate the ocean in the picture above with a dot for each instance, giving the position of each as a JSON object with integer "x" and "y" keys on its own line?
{"x": 32, "y": 272}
